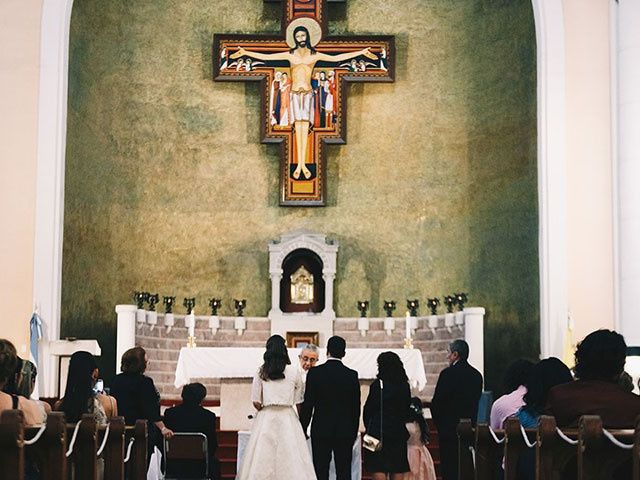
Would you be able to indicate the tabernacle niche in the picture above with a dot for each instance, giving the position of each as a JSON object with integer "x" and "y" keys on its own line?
{"x": 302, "y": 285}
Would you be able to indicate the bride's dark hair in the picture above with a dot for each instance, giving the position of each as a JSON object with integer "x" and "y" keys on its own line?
{"x": 276, "y": 358}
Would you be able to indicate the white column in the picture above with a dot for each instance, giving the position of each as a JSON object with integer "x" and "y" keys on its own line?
{"x": 628, "y": 163}
{"x": 126, "y": 334}
{"x": 552, "y": 174}
{"x": 276, "y": 278}
{"x": 474, "y": 336}
{"x": 52, "y": 124}
{"x": 328, "y": 293}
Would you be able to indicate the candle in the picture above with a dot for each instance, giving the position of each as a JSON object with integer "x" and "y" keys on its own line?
{"x": 190, "y": 323}
{"x": 408, "y": 325}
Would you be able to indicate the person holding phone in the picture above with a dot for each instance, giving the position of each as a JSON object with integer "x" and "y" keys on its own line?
{"x": 83, "y": 392}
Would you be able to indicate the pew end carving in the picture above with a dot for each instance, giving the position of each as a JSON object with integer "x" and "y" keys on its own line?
{"x": 488, "y": 452}
{"x": 465, "y": 445}
{"x": 553, "y": 454}
{"x": 113, "y": 453}
{"x": 12, "y": 444}
{"x": 598, "y": 456}
{"x": 49, "y": 452}
{"x": 516, "y": 448}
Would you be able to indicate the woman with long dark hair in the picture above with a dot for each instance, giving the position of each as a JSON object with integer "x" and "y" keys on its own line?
{"x": 277, "y": 448}
{"x": 385, "y": 415}
{"x": 420, "y": 460}
{"x": 80, "y": 397}
{"x": 544, "y": 375}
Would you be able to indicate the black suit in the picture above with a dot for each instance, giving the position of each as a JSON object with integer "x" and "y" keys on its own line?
{"x": 332, "y": 395}
{"x": 457, "y": 395}
{"x": 194, "y": 418}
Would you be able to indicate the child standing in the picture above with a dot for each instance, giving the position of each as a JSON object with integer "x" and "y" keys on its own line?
{"x": 420, "y": 459}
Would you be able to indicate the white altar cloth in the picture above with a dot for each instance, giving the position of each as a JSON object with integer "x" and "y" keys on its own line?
{"x": 236, "y": 362}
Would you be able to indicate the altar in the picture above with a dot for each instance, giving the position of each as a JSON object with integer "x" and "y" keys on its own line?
{"x": 237, "y": 366}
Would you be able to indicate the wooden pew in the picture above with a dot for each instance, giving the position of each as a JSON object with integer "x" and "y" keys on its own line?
{"x": 48, "y": 451}
{"x": 598, "y": 455}
{"x": 554, "y": 454}
{"x": 466, "y": 441}
{"x": 83, "y": 459}
{"x": 518, "y": 448}
{"x": 11, "y": 445}
{"x": 113, "y": 453}
{"x": 489, "y": 452}
{"x": 48, "y": 448}
{"x": 136, "y": 465}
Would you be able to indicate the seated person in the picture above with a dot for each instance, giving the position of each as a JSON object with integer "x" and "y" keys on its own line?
{"x": 33, "y": 411}
{"x": 514, "y": 381}
{"x": 138, "y": 397}
{"x": 80, "y": 396}
{"x": 544, "y": 375}
{"x": 24, "y": 382}
{"x": 600, "y": 360}
{"x": 190, "y": 416}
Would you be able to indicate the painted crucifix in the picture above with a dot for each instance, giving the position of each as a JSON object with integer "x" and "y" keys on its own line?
{"x": 303, "y": 80}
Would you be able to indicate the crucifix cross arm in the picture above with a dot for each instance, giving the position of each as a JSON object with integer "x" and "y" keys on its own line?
{"x": 303, "y": 78}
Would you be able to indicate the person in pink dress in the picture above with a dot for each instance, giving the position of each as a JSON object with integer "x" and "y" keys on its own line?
{"x": 420, "y": 459}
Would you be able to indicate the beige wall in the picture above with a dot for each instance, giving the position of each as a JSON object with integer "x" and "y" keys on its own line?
{"x": 589, "y": 165}
{"x": 19, "y": 66}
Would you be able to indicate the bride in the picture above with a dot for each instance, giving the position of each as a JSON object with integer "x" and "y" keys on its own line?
{"x": 277, "y": 449}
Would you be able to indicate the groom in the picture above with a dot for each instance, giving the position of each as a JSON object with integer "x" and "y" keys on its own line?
{"x": 332, "y": 396}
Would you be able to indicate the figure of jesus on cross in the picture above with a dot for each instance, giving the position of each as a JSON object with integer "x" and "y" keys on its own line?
{"x": 303, "y": 89}
{"x": 302, "y": 59}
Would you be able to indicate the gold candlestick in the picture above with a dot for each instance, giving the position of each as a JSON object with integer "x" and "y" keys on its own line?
{"x": 408, "y": 343}
{"x": 191, "y": 342}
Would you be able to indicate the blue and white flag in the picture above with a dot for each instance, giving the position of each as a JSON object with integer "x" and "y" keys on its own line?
{"x": 35, "y": 328}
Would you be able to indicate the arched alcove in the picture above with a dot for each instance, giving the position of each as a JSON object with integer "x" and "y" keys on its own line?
{"x": 301, "y": 295}
{"x": 318, "y": 257}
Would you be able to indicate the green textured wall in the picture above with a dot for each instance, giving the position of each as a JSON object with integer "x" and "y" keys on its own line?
{"x": 169, "y": 189}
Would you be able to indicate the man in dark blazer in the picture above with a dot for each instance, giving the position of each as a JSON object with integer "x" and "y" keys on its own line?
{"x": 191, "y": 417}
{"x": 456, "y": 396}
{"x": 600, "y": 360}
{"x": 332, "y": 396}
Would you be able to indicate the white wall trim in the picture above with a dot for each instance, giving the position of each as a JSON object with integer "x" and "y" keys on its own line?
{"x": 52, "y": 125}
{"x": 552, "y": 175}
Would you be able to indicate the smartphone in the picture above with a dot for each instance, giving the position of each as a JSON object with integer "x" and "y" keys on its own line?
{"x": 99, "y": 386}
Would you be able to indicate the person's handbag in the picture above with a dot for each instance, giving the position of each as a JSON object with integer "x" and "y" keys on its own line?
{"x": 370, "y": 442}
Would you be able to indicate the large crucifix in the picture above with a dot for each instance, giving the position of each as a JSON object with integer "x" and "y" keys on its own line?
{"x": 303, "y": 78}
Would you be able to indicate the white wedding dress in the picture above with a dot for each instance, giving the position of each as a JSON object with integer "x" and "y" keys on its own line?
{"x": 277, "y": 448}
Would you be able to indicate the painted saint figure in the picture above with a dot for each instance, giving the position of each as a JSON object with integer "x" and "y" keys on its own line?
{"x": 331, "y": 95}
{"x": 275, "y": 99}
{"x": 302, "y": 59}
{"x": 285, "y": 100}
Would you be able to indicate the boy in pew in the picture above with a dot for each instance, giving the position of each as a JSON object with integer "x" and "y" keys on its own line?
{"x": 33, "y": 411}
{"x": 191, "y": 417}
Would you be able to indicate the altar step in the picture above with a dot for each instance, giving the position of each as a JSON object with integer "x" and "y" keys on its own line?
{"x": 228, "y": 446}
